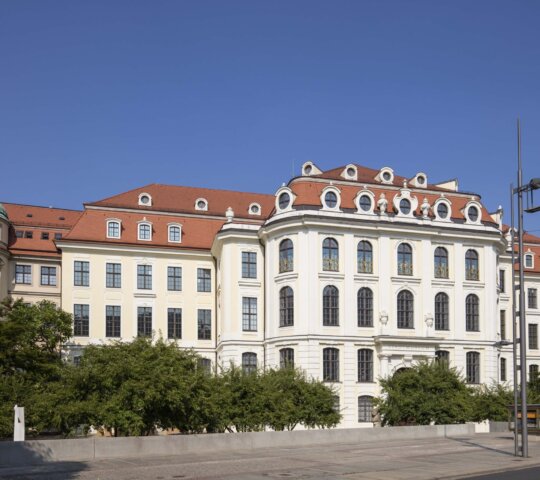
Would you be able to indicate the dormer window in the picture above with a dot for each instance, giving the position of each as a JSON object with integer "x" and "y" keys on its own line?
{"x": 201, "y": 204}
{"x": 145, "y": 231}
{"x": 254, "y": 209}
{"x": 420, "y": 180}
{"x": 472, "y": 213}
{"x": 330, "y": 199}
{"x": 365, "y": 203}
{"x": 308, "y": 169}
{"x": 145, "y": 200}
{"x": 386, "y": 175}
{"x": 529, "y": 260}
{"x": 175, "y": 233}
{"x": 284, "y": 200}
{"x": 350, "y": 172}
{"x": 405, "y": 206}
{"x": 442, "y": 210}
{"x": 113, "y": 228}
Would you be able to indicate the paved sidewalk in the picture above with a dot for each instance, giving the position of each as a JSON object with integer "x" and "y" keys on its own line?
{"x": 400, "y": 460}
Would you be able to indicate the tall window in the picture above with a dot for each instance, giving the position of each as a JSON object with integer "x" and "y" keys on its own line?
{"x": 473, "y": 367}
{"x": 442, "y": 356}
{"x": 365, "y": 257}
{"x": 205, "y": 364}
{"x": 330, "y": 255}
{"x": 472, "y": 313}
{"x": 502, "y": 283}
{"x": 286, "y": 256}
{"x": 286, "y": 307}
{"x": 365, "y": 365}
{"x": 145, "y": 231}
{"x": 532, "y": 298}
{"x": 533, "y": 336}
{"x": 441, "y": 262}
{"x": 365, "y": 307}
{"x": 405, "y": 265}
{"x": 528, "y": 261}
{"x": 81, "y": 274}
{"x": 174, "y": 279}
{"x": 175, "y": 233}
{"x": 503, "y": 324}
{"x": 405, "y": 309}
{"x": 204, "y": 324}
{"x": 472, "y": 271}
{"x": 365, "y": 409}
{"x": 174, "y": 322}
{"x": 330, "y": 365}
{"x": 81, "y": 320}
{"x": 330, "y": 306}
{"x": 113, "y": 275}
{"x": 48, "y": 276}
{"x": 249, "y": 314}
{"x": 441, "y": 311}
{"x": 286, "y": 358}
{"x": 249, "y": 362}
{"x": 112, "y": 321}
{"x": 503, "y": 369}
{"x": 249, "y": 265}
{"x": 144, "y": 321}
{"x": 144, "y": 277}
{"x": 23, "y": 274}
{"x": 533, "y": 372}
{"x": 113, "y": 229}
{"x": 203, "y": 280}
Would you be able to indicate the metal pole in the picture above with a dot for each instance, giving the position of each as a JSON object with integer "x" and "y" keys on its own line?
{"x": 514, "y": 329}
{"x": 522, "y": 322}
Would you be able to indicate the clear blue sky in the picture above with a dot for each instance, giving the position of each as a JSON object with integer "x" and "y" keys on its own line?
{"x": 97, "y": 97}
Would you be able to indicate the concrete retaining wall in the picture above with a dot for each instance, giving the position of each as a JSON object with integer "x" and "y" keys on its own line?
{"x": 42, "y": 451}
{"x": 498, "y": 427}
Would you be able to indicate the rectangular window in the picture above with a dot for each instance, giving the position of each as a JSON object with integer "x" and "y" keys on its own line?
{"x": 28, "y": 234}
{"x": 174, "y": 322}
{"x": 502, "y": 284}
{"x": 19, "y": 233}
{"x": 532, "y": 299}
{"x": 144, "y": 321}
{"x": 503, "y": 324}
{"x": 81, "y": 274}
{"x": 144, "y": 277}
{"x": 503, "y": 369}
{"x": 44, "y": 235}
{"x": 48, "y": 276}
{"x": 174, "y": 279}
{"x": 112, "y": 321}
{"x": 23, "y": 274}
{"x": 113, "y": 275}
{"x": 203, "y": 280}
{"x": 249, "y": 314}
{"x": 249, "y": 265}
{"x": 204, "y": 325}
{"x": 81, "y": 320}
{"x": 57, "y": 236}
{"x": 533, "y": 336}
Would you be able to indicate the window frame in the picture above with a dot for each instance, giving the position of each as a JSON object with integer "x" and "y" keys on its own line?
{"x": 249, "y": 265}
{"x": 52, "y": 280}
{"x": 204, "y": 324}
{"x": 173, "y": 227}
{"x": 442, "y": 311}
{"x": 110, "y": 222}
{"x": 364, "y": 307}
{"x": 472, "y": 367}
{"x": 532, "y": 336}
{"x": 249, "y": 314}
{"x": 25, "y": 275}
{"x": 113, "y": 278}
{"x": 204, "y": 280}
{"x": 81, "y": 276}
{"x": 174, "y": 323}
{"x": 532, "y": 298}
{"x": 365, "y": 365}
{"x": 364, "y": 257}
{"x": 330, "y": 299}
{"x": 286, "y": 357}
{"x": 441, "y": 263}
{"x": 405, "y": 259}
{"x": 144, "y": 276}
{"x": 113, "y": 321}
{"x": 472, "y": 265}
{"x": 330, "y": 255}
{"x": 249, "y": 363}
{"x": 365, "y": 409}
{"x": 286, "y": 255}
{"x": 330, "y": 364}
{"x": 144, "y": 321}
{"x": 405, "y": 310}
{"x": 472, "y": 313}
{"x": 140, "y": 226}
{"x": 81, "y": 320}
{"x": 286, "y": 306}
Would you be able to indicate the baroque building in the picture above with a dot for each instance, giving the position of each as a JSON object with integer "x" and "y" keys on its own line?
{"x": 350, "y": 274}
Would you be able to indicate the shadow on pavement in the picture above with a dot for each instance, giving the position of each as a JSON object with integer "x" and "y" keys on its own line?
{"x": 471, "y": 443}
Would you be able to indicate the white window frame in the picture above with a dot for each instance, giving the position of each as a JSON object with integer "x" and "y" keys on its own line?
{"x": 381, "y": 178}
{"x": 405, "y": 194}
{"x": 371, "y": 195}
{"x": 139, "y": 225}
{"x": 345, "y": 174}
{"x": 201, "y": 209}
{"x": 528, "y": 255}
{"x": 255, "y": 205}
{"x": 473, "y": 203}
{"x": 448, "y": 203}
{"x": 323, "y": 200}
{"x": 119, "y": 222}
{"x": 145, "y": 194}
{"x": 169, "y": 227}
{"x": 292, "y": 198}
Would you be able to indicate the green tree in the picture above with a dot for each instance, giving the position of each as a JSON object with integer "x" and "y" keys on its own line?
{"x": 429, "y": 392}
{"x": 491, "y": 403}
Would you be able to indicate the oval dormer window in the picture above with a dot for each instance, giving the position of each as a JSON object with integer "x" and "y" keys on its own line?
{"x": 255, "y": 209}
{"x": 308, "y": 169}
{"x": 351, "y": 172}
{"x": 387, "y": 176}
{"x": 365, "y": 203}
{"x": 473, "y": 214}
{"x": 145, "y": 199}
{"x": 405, "y": 206}
{"x": 284, "y": 200}
{"x": 442, "y": 210}
{"x": 421, "y": 180}
{"x": 330, "y": 199}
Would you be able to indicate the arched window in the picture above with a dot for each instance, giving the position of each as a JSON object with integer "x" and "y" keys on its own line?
{"x": 441, "y": 262}
{"x": 472, "y": 313}
{"x": 365, "y": 257}
{"x": 473, "y": 367}
{"x": 365, "y": 307}
{"x": 365, "y": 409}
{"x": 330, "y": 365}
{"x": 365, "y": 365}
{"x": 175, "y": 233}
{"x": 286, "y": 358}
{"x": 442, "y": 356}
{"x": 330, "y": 255}
{"x": 405, "y": 266}
{"x": 249, "y": 362}
{"x": 113, "y": 229}
{"x": 441, "y": 311}
{"x": 330, "y": 306}
{"x": 145, "y": 231}
{"x": 286, "y": 256}
{"x": 405, "y": 309}
{"x": 472, "y": 271}
{"x": 286, "y": 307}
